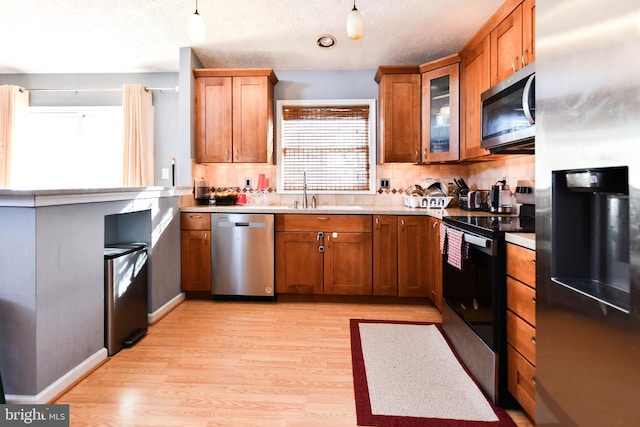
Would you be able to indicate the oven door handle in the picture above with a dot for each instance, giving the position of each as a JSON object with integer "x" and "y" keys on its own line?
{"x": 477, "y": 241}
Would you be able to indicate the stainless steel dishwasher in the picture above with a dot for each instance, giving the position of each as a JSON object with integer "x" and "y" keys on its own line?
{"x": 242, "y": 256}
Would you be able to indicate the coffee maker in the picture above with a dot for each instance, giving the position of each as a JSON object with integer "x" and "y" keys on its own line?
{"x": 201, "y": 191}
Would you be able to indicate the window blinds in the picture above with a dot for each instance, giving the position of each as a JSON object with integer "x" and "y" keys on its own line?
{"x": 329, "y": 143}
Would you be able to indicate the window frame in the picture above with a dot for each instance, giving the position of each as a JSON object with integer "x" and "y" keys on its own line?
{"x": 372, "y": 143}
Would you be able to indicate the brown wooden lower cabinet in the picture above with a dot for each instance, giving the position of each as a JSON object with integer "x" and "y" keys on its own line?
{"x": 433, "y": 262}
{"x": 195, "y": 252}
{"x": 521, "y": 326}
{"x": 412, "y": 250}
{"x": 299, "y": 263}
{"x": 324, "y": 254}
{"x": 385, "y": 255}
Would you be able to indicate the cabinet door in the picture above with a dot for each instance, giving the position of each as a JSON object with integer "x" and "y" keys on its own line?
{"x": 506, "y": 47}
{"x": 412, "y": 249}
{"x": 213, "y": 120}
{"x": 299, "y": 263}
{"x": 440, "y": 114}
{"x": 400, "y": 117}
{"x": 475, "y": 80}
{"x": 195, "y": 268}
{"x": 434, "y": 262}
{"x": 385, "y": 255}
{"x": 528, "y": 31}
{"x": 347, "y": 263}
{"x": 252, "y": 119}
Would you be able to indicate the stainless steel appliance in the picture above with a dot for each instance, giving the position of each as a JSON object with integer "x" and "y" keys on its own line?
{"x": 474, "y": 313}
{"x": 509, "y": 114}
{"x": 500, "y": 200}
{"x": 587, "y": 214}
{"x": 474, "y": 200}
{"x": 125, "y": 295}
{"x": 242, "y": 255}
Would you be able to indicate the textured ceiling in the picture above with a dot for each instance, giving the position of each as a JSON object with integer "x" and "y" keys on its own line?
{"x": 87, "y": 36}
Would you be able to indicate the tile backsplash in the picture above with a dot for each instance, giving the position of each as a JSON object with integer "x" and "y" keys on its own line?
{"x": 478, "y": 175}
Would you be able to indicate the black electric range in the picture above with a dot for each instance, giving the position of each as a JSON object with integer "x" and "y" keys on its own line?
{"x": 475, "y": 296}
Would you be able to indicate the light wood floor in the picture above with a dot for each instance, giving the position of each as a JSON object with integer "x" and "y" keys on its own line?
{"x": 236, "y": 364}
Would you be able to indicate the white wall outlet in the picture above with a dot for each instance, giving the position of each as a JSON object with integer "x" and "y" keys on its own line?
{"x": 165, "y": 173}
{"x": 247, "y": 181}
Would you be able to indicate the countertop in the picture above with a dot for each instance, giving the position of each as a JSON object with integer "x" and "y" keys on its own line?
{"x": 36, "y": 198}
{"x": 527, "y": 240}
{"x": 335, "y": 209}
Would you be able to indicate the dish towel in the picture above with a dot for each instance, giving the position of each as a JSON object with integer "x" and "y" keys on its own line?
{"x": 457, "y": 248}
{"x": 443, "y": 238}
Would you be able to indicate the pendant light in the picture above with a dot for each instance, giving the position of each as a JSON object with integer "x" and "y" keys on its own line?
{"x": 354, "y": 23}
{"x": 196, "y": 27}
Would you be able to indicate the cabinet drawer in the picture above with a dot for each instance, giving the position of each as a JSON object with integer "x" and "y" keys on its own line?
{"x": 521, "y": 381}
{"x": 195, "y": 221}
{"x": 521, "y": 264}
{"x": 521, "y": 299}
{"x": 327, "y": 223}
{"x": 522, "y": 336}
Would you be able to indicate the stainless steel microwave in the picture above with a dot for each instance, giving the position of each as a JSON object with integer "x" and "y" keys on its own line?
{"x": 509, "y": 114}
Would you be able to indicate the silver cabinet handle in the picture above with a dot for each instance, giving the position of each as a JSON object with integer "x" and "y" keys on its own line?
{"x": 533, "y": 300}
{"x": 195, "y": 216}
{"x": 533, "y": 380}
{"x": 533, "y": 340}
{"x": 524, "y": 54}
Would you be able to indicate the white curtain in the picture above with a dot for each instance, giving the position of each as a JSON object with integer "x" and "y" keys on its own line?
{"x": 13, "y": 102}
{"x": 137, "y": 170}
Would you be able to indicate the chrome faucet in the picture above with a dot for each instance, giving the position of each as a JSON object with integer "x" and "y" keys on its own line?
{"x": 304, "y": 190}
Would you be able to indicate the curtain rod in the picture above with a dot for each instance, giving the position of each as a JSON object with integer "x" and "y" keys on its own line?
{"x": 158, "y": 89}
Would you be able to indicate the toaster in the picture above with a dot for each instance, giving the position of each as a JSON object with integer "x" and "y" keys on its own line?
{"x": 474, "y": 200}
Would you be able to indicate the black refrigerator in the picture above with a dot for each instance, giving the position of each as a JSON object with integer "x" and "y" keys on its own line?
{"x": 587, "y": 208}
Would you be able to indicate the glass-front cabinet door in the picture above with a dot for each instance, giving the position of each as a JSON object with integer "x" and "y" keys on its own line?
{"x": 440, "y": 112}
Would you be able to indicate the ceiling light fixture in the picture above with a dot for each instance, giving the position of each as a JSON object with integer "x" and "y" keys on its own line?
{"x": 326, "y": 41}
{"x": 196, "y": 27}
{"x": 354, "y": 23}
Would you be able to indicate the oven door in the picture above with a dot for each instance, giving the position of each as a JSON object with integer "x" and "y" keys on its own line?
{"x": 476, "y": 292}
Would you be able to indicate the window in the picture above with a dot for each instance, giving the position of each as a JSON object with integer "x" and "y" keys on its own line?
{"x": 332, "y": 141}
{"x": 68, "y": 147}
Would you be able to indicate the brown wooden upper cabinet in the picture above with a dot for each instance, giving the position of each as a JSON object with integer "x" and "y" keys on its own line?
{"x": 399, "y": 109}
{"x": 441, "y": 110}
{"x": 513, "y": 42}
{"x": 501, "y": 47}
{"x": 474, "y": 80}
{"x": 234, "y": 115}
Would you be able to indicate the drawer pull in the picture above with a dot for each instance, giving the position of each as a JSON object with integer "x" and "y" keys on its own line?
{"x": 533, "y": 261}
{"x": 195, "y": 216}
{"x": 533, "y": 340}
{"x": 322, "y": 218}
{"x": 533, "y": 380}
{"x": 533, "y": 300}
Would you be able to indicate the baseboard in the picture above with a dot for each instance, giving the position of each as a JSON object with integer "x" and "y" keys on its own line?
{"x": 63, "y": 383}
{"x": 153, "y": 318}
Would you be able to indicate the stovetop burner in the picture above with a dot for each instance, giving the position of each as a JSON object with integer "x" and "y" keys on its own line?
{"x": 493, "y": 224}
